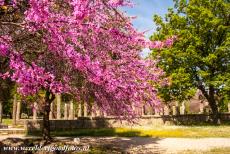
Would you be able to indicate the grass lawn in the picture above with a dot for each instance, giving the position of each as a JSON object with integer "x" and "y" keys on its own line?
{"x": 7, "y": 121}
{"x": 164, "y": 131}
{"x": 10, "y": 122}
{"x": 157, "y": 131}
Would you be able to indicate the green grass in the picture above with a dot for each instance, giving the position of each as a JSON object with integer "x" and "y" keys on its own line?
{"x": 10, "y": 122}
{"x": 164, "y": 131}
{"x": 212, "y": 151}
{"x": 7, "y": 121}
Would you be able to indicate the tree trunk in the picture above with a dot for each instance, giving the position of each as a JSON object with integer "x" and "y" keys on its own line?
{"x": 213, "y": 104}
{"x": 215, "y": 112}
{"x": 46, "y": 122}
{"x": 1, "y": 111}
{"x": 210, "y": 96}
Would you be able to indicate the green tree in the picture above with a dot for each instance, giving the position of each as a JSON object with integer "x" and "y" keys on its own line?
{"x": 200, "y": 57}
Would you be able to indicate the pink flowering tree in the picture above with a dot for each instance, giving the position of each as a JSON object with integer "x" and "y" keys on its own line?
{"x": 86, "y": 48}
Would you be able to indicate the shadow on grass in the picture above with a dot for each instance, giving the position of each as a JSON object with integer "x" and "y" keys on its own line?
{"x": 102, "y": 132}
{"x": 80, "y": 127}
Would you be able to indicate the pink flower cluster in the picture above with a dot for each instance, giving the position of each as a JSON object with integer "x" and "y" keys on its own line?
{"x": 2, "y": 2}
{"x": 3, "y": 50}
{"x": 162, "y": 44}
{"x": 33, "y": 78}
{"x": 4, "y": 46}
{"x": 116, "y": 3}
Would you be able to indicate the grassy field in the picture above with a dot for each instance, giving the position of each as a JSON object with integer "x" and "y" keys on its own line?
{"x": 158, "y": 131}
{"x": 166, "y": 131}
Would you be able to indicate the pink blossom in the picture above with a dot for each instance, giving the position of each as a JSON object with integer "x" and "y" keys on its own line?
{"x": 3, "y": 50}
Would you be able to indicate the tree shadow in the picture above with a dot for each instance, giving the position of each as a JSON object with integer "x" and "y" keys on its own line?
{"x": 98, "y": 133}
{"x": 11, "y": 145}
{"x": 140, "y": 145}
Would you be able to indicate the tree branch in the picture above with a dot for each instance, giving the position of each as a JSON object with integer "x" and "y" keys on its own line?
{"x": 11, "y": 23}
{"x": 113, "y": 10}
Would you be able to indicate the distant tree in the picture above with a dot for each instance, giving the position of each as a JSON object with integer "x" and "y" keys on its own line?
{"x": 200, "y": 58}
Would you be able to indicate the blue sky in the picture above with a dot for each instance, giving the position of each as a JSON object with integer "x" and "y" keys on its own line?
{"x": 144, "y": 10}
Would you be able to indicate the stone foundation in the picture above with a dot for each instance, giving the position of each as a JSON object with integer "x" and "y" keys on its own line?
{"x": 112, "y": 122}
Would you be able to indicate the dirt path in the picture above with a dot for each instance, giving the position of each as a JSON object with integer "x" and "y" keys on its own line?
{"x": 156, "y": 145}
{"x": 145, "y": 145}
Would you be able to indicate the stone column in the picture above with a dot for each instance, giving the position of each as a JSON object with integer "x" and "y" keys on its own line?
{"x": 175, "y": 110}
{"x": 85, "y": 109}
{"x": 1, "y": 111}
{"x": 14, "y": 109}
{"x": 66, "y": 111}
{"x": 228, "y": 107}
{"x": 71, "y": 113}
{"x": 18, "y": 113}
{"x": 51, "y": 111}
{"x": 92, "y": 111}
{"x": 105, "y": 114}
{"x": 97, "y": 111}
{"x": 58, "y": 99}
{"x": 166, "y": 110}
{"x": 74, "y": 114}
{"x": 182, "y": 109}
{"x": 79, "y": 110}
{"x": 156, "y": 112}
{"x": 162, "y": 111}
{"x": 142, "y": 111}
{"x": 35, "y": 106}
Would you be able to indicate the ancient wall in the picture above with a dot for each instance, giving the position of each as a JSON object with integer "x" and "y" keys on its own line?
{"x": 112, "y": 122}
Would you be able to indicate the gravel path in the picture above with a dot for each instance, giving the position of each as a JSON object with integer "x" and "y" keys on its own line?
{"x": 180, "y": 144}
{"x": 160, "y": 145}
{"x": 145, "y": 145}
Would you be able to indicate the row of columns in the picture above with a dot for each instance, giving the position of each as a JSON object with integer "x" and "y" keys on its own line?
{"x": 181, "y": 110}
{"x": 175, "y": 110}
{"x": 82, "y": 110}
{"x": 69, "y": 111}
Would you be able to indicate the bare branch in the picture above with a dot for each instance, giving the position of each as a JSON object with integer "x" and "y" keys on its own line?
{"x": 11, "y": 23}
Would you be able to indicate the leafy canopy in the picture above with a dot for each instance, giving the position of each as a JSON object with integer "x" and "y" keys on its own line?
{"x": 200, "y": 58}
